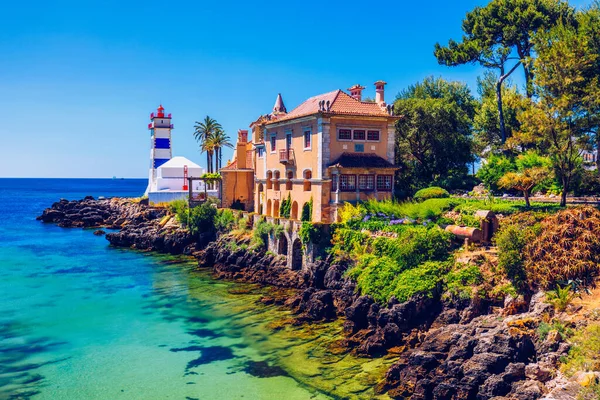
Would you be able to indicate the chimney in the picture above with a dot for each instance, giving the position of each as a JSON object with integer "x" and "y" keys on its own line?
{"x": 240, "y": 150}
{"x": 243, "y": 136}
{"x": 356, "y": 92}
{"x": 379, "y": 98}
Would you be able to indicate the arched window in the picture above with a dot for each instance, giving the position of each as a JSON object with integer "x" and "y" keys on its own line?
{"x": 289, "y": 184}
{"x": 269, "y": 180}
{"x": 276, "y": 180}
{"x": 307, "y": 178}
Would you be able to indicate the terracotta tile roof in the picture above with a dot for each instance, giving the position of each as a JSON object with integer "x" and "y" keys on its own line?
{"x": 232, "y": 165}
{"x": 361, "y": 160}
{"x": 340, "y": 103}
{"x": 345, "y": 104}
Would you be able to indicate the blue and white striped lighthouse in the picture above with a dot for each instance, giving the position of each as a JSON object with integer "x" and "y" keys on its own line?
{"x": 160, "y": 144}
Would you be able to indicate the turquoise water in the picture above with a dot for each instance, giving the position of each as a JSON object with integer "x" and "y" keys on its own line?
{"x": 82, "y": 320}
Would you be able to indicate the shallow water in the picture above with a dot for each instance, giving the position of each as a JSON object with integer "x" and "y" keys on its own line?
{"x": 82, "y": 320}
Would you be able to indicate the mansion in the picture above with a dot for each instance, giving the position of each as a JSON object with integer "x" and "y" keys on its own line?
{"x": 330, "y": 149}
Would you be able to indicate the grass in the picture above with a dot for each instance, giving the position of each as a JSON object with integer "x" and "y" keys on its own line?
{"x": 585, "y": 351}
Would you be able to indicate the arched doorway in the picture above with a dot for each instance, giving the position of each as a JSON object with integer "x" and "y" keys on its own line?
{"x": 269, "y": 208}
{"x": 259, "y": 198}
{"x": 282, "y": 245}
{"x": 294, "y": 214}
{"x": 276, "y": 208}
{"x": 297, "y": 255}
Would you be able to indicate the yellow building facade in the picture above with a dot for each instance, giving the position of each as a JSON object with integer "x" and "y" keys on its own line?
{"x": 332, "y": 148}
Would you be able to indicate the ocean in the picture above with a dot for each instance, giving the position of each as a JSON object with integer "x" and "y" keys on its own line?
{"x": 80, "y": 319}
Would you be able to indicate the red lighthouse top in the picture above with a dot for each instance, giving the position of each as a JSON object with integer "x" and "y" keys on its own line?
{"x": 160, "y": 113}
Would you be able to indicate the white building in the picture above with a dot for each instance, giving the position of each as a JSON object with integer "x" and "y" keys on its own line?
{"x": 167, "y": 177}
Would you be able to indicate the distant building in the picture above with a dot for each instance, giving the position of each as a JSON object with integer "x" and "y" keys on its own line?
{"x": 590, "y": 159}
{"x": 167, "y": 177}
{"x": 332, "y": 148}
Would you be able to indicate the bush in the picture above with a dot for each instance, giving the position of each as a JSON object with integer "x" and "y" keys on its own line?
{"x": 202, "y": 219}
{"x": 286, "y": 207}
{"x": 383, "y": 264}
{"x": 382, "y": 278}
{"x": 180, "y": 209}
{"x": 459, "y": 283}
{"x": 433, "y": 192}
{"x": 511, "y": 240}
{"x": 493, "y": 169}
{"x": 585, "y": 351}
{"x": 560, "y": 298}
{"x": 566, "y": 249}
{"x": 307, "y": 209}
{"x": 224, "y": 220}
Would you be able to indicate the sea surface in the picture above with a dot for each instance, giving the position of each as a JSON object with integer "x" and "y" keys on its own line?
{"x": 80, "y": 319}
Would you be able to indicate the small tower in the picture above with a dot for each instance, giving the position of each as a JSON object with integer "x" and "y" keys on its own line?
{"x": 279, "y": 107}
{"x": 160, "y": 144}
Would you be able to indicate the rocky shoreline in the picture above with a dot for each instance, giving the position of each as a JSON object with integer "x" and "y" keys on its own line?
{"x": 447, "y": 350}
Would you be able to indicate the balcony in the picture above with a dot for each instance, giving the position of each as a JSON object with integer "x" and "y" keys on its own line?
{"x": 286, "y": 156}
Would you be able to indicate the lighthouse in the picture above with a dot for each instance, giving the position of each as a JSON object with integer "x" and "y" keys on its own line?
{"x": 160, "y": 144}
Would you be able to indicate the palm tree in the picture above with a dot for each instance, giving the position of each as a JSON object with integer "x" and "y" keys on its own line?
{"x": 203, "y": 132}
{"x": 220, "y": 140}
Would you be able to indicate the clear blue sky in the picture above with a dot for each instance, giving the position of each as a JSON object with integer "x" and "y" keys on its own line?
{"x": 78, "y": 81}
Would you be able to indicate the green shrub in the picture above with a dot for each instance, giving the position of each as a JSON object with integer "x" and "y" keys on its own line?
{"x": 433, "y": 192}
{"x": 511, "y": 240}
{"x": 560, "y": 297}
{"x": 382, "y": 278}
{"x": 180, "y": 209}
{"x": 310, "y": 233}
{"x": 545, "y": 328}
{"x": 307, "y": 209}
{"x": 585, "y": 351}
{"x": 286, "y": 207}
{"x": 493, "y": 169}
{"x": 459, "y": 283}
{"x": 224, "y": 220}
{"x": 202, "y": 219}
{"x": 383, "y": 264}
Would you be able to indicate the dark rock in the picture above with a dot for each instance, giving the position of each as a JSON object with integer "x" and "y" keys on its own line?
{"x": 99, "y": 232}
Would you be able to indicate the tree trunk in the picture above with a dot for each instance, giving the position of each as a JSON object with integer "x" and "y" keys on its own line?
{"x": 500, "y": 111}
{"x": 526, "y": 195}
{"x": 207, "y": 161}
{"x": 503, "y": 76}
{"x": 563, "y": 196}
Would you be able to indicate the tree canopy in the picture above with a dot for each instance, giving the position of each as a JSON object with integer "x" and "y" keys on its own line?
{"x": 433, "y": 140}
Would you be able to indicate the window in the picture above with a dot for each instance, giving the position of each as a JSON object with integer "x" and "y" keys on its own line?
{"x": 359, "y": 148}
{"x": 261, "y": 152}
{"x": 373, "y": 135}
{"x": 273, "y": 142}
{"x": 269, "y": 180}
{"x": 307, "y": 139}
{"x": 359, "y": 134}
{"x": 345, "y": 134}
{"x": 384, "y": 183}
{"x": 307, "y": 178}
{"x": 347, "y": 183}
{"x": 366, "y": 182}
{"x": 276, "y": 179}
{"x": 289, "y": 184}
